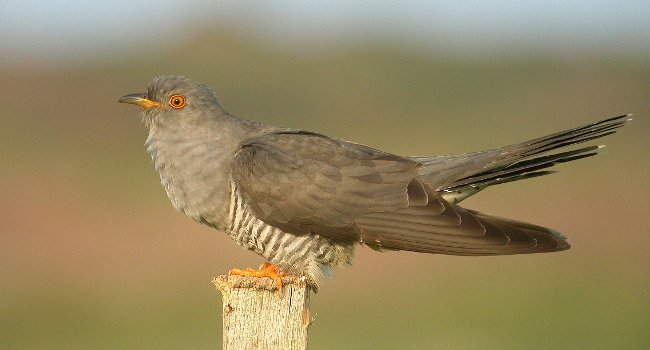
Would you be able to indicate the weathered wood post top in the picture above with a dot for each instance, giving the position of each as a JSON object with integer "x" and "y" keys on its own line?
{"x": 257, "y": 316}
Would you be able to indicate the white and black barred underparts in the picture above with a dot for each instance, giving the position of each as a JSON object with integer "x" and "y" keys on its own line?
{"x": 308, "y": 254}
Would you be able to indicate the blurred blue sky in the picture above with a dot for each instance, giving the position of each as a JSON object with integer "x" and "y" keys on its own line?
{"x": 63, "y": 29}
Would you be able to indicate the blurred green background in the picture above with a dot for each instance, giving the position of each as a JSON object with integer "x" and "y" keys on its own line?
{"x": 92, "y": 255}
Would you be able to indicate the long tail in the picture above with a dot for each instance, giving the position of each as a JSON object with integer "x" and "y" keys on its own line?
{"x": 440, "y": 226}
{"x": 460, "y": 176}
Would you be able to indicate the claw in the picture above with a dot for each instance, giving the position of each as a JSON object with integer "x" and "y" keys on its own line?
{"x": 265, "y": 270}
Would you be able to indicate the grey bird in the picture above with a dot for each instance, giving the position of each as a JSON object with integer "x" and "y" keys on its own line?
{"x": 303, "y": 200}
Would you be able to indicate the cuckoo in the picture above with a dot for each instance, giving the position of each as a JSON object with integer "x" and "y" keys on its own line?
{"x": 304, "y": 200}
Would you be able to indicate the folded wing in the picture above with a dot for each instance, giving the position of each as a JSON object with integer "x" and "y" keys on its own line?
{"x": 306, "y": 183}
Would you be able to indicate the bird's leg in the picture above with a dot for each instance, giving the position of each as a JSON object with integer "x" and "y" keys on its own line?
{"x": 265, "y": 270}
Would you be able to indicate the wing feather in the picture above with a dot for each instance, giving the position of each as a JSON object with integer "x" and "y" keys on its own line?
{"x": 308, "y": 183}
{"x": 308, "y": 179}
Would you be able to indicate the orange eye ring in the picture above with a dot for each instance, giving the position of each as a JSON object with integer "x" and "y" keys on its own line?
{"x": 177, "y": 101}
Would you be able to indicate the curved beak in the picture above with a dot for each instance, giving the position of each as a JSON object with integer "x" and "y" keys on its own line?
{"x": 140, "y": 100}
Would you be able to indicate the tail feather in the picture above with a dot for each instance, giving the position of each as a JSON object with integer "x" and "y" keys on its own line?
{"x": 515, "y": 170}
{"x": 576, "y": 133}
{"x": 443, "y": 227}
{"x": 460, "y": 176}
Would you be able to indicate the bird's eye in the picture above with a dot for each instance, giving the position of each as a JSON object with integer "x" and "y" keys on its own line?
{"x": 177, "y": 101}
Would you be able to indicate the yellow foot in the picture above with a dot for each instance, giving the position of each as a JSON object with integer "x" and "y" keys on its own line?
{"x": 265, "y": 270}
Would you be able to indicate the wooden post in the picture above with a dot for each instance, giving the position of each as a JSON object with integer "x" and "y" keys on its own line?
{"x": 256, "y": 316}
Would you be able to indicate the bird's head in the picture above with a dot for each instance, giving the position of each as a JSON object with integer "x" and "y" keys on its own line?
{"x": 173, "y": 101}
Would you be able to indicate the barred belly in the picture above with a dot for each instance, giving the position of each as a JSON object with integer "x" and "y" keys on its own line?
{"x": 309, "y": 254}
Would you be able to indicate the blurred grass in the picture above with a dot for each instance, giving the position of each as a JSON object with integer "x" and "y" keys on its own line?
{"x": 93, "y": 256}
